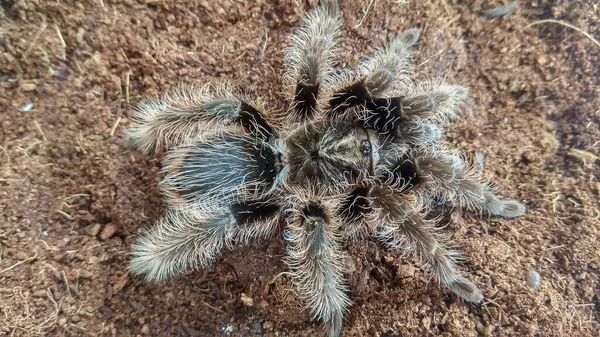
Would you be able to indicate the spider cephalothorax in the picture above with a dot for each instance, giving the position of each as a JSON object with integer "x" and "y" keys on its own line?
{"x": 356, "y": 154}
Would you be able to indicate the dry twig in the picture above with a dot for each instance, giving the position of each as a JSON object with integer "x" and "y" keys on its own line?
{"x": 566, "y": 24}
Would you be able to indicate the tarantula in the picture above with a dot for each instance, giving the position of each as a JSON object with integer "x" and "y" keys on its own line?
{"x": 356, "y": 154}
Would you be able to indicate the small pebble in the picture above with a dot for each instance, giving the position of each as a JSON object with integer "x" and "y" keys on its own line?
{"x": 479, "y": 159}
{"x": 405, "y": 270}
{"x": 93, "y": 230}
{"x": 533, "y": 280}
{"x": 499, "y": 11}
{"x": 60, "y": 74}
{"x": 108, "y": 232}
{"x": 246, "y": 300}
{"x": 268, "y": 325}
{"x": 29, "y": 86}
{"x": 582, "y": 276}
{"x": 258, "y": 327}
{"x": 26, "y": 107}
{"x": 228, "y": 330}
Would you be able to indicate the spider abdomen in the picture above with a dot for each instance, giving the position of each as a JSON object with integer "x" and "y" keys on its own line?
{"x": 220, "y": 171}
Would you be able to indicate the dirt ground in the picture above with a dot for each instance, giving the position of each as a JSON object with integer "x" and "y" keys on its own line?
{"x": 73, "y": 198}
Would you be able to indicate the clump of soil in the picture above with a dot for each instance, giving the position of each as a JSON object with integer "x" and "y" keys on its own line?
{"x": 73, "y": 198}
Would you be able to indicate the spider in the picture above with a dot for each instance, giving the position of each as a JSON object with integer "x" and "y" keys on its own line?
{"x": 356, "y": 154}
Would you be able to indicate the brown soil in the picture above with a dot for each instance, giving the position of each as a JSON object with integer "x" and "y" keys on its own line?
{"x": 73, "y": 199}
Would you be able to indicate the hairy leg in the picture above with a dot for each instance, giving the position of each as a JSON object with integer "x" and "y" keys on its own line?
{"x": 380, "y": 95}
{"x": 309, "y": 59}
{"x": 184, "y": 240}
{"x": 317, "y": 261}
{"x": 419, "y": 107}
{"x": 447, "y": 176}
{"x": 390, "y": 67}
{"x": 407, "y": 230}
{"x": 381, "y": 74}
{"x": 418, "y": 134}
{"x": 356, "y": 212}
{"x": 192, "y": 111}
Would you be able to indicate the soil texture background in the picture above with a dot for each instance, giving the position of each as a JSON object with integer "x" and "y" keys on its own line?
{"x": 73, "y": 198}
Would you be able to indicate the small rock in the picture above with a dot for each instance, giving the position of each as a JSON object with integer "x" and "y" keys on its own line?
{"x": 480, "y": 159}
{"x": 533, "y": 280}
{"x": 228, "y": 330}
{"x": 207, "y": 5}
{"x": 108, "y": 231}
{"x": 92, "y": 230}
{"x": 26, "y": 107}
{"x": 60, "y": 74}
{"x": 405, "y": 271}
{"x": 268, "y": 325}
{"x": 542, "y": 60}
{"x": 388, "y": 259}
{"x": 145, "y": 329}
{"x": 582, "y": 276}
{"x": 248, "y": 301}
{"x": 75, "y": 318}
{"x": 136, "y": 306}
{"x": 28, "y": 86}
{"x": 258, "y": 328}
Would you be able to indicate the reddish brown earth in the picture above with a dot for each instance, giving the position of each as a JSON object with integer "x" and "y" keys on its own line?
{"x": 73, "y": 198}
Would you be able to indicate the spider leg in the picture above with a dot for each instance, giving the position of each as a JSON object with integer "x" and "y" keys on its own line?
{"x": 405, "y": 229}
{"x": 356, "y": 211}
{"x": 309, "y": 59}
{"x": 219, "y": 191}
{"x": 380, "y": 95}
{"x": 185, "y": 240}
{"x": 191, "y": 111}
{"x": 448, "y": 177}
{"x": 386, "y": 69}
{"x": 417, "y": 109}
{"x": 418, "y": 134}
{"x": 432, "y": 102}
{"x": 318, "y": 263}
